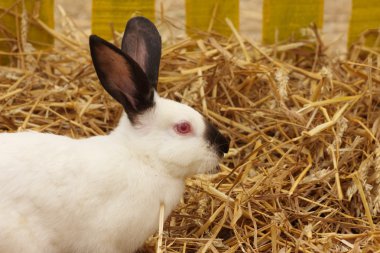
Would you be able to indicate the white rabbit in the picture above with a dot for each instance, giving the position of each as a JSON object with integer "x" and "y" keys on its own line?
{"x": 103, "y": 194}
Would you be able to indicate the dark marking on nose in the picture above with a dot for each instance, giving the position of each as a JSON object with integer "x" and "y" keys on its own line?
{"x": 216, "y": 139}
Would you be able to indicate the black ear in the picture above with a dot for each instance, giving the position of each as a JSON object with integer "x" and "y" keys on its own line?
{"x": 121, "y": 77}
{"x": 142, "y": 42}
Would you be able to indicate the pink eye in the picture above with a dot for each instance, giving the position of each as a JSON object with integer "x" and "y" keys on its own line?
{"x": 183, "y": 128}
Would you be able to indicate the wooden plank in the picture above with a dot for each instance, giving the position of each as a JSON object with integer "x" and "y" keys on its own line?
{"x": 44, "y": 10}
{"x": 365, "y": 15}
{"x": 113, "y": 14}
{"x": 210, "y": 15}
{"x": 10, "y": 20}
{"x": 284, "y": 19}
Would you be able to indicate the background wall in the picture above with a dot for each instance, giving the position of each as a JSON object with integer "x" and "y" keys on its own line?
{"x": 336, "y": 17}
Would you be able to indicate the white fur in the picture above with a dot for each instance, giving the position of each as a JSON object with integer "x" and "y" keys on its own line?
{"x": 100, "y": 194}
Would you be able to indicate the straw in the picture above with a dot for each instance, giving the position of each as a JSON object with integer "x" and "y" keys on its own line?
{"x": 302, "y": 173}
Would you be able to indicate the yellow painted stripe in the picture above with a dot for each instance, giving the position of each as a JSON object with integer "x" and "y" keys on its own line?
{"x": 365, "y": 15}
{"x": 206, "y": 15}
{"x": 44, "y": 9}
{"x": 113, "y": 14}
{"x": 284, "y": 19}
{"x": 10, "y": 28}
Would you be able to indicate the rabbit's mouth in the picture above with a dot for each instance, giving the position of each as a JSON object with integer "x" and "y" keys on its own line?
{"x": 210, "y": 164}
{"x": 215, "y": 170}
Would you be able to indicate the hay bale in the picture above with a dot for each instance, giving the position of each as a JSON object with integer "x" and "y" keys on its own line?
{"x": 303, "y": 171}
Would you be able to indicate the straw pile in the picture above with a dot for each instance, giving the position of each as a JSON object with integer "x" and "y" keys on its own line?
{"x": 303, "y": 171}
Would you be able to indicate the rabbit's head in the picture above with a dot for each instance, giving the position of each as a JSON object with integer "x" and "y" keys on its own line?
{"x": 161, "y": 130}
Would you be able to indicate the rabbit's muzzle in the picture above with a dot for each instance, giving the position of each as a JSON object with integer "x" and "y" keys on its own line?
{"x": 216, "y": 139}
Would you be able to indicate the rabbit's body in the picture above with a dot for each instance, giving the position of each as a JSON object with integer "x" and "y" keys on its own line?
{"x": 103, "y": 194}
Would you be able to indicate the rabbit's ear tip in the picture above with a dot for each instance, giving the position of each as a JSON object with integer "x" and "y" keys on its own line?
{"x": 139, "y": 19}
{"x": 94, "y": 39}
{"x": 141, "y": 25}
{"x": 97, "y": 44}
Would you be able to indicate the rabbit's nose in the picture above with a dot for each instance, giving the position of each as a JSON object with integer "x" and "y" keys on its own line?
{"x": 216, "y": 139}
{"x": 222, "y": 144}
{"x": 225, "y": 145}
